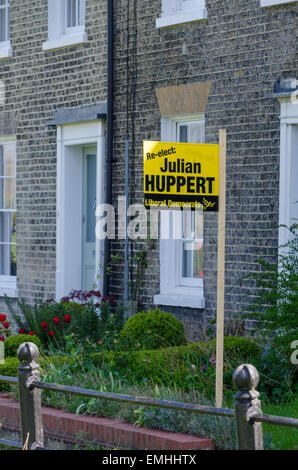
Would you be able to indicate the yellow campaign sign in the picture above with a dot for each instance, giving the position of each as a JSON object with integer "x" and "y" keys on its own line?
{"x": 179, "y": 175}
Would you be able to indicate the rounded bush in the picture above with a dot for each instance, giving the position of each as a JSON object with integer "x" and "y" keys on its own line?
{"x": 152, "y": 330}
{"x": 12, "y": 343}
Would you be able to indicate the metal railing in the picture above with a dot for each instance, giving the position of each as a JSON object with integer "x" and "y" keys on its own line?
{"x": 247, "y": 413}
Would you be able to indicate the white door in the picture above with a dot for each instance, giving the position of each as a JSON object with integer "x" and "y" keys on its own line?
{"x": 89, "y": 207}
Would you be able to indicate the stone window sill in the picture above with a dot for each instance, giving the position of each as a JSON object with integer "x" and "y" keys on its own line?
{"x": 272, "y": 3}
{"x": 5, "y": 52}
{"x": 182, "y": 17}
{"x": 8, "y": 286}
{"x": 191, "y": 301}
{"x": 65, "y": 41}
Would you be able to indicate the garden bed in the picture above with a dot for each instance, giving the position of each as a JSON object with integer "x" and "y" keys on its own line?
{"x": 70, "y": 428}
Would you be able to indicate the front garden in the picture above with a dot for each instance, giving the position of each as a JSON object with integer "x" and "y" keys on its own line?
{"x": 86, "y": 341}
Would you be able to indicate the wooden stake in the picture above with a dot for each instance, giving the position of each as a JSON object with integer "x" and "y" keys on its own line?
{"x": 221, "y": 269}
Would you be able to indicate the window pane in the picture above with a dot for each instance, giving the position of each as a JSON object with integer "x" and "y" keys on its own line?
{"x": 8, "y": 243}
{"x": 8, "y": 24}
{"x": 71, "y": 13}
{"x": 183, "y": 134}
{"x": 192, "y": 221}
{"x": 2, "y": 24}
{"x": 9, "y": 159}
{"x": 91, "y": 197}
{"x": 192, "y": 259}
{"x": 195, "y": 133}
{"x": 9, "y": 193}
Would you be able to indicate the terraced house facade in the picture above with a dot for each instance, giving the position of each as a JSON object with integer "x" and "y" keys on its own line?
{"x": 84, "y": 83}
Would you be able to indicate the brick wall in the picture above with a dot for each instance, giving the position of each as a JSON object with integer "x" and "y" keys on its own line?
{"x": 242, "y": 49}
{"x": 37, "y": 82}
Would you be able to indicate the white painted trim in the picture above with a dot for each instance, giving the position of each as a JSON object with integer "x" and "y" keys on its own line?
{"x": 172, "y": 291}
{"x": 272, "y": 3}
{"x": 181, "y": 300}
{"x": 8, "y": 286}
{"x": 287, "y": 183}
{"x": 5, "y": 50}
{"x": 58, "y": 35}
{"x": 70, "y": 140}
{"x": 181, "y": 17}
{"x": 65, "y": 41}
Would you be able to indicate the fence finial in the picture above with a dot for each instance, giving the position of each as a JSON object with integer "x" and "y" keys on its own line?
{"x": 27, "y": 352}
{"x": 249, "y": 433}
{"x": 246, "y": 379}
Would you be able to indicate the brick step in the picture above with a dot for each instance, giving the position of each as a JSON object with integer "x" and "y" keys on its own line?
{"x": 107, "y": 432}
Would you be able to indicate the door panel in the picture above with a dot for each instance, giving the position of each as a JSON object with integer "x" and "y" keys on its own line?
{"x": 89, "y": 207}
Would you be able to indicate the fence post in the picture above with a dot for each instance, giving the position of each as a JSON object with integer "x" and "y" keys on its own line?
{"x": 249, "y": 434}
{"x": 30, "y": 397}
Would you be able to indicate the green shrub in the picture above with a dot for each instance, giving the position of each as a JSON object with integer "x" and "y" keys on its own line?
{"x": 239, "y": 348}
{"x": 85, "y": 322}
{"x": 9, "y": 368}
{"x": 179, "y": 366}
{"x": 275, "y": 303}
{"x": 152, "y": 330}
{"x": 12, "y": 343}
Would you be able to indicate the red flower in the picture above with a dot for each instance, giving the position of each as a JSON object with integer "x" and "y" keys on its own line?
{"x": 109, "y": 299}
{"x": 67, "y": 318}
{"x": 51, "y": 333}
{"x": 99, "y": 341}
{"x": 6, "y": 324}
{"x": 2, "y": 318}
{"x": 2, "y": 338}
{"x": 31, "y": 333}
{"x": 21, "y": 331}
{"x": 44, "y": 325}
{"x": 56, "y": 320}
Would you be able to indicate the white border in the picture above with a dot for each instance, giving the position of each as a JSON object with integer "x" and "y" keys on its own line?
{"x": 273, "y": 3}
{"x": 70, "y": 139}
{"x": 172, "y": 292}
{"x": 65, "y": 41}
{"x": 182, "y": 17}
{"x": 288, "y": 118}
{"x": 8, "y": 284}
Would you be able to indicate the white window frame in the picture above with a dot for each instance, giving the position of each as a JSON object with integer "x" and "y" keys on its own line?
{"x": 8, "y": 284}
{"x": 71, "y": 139}
{"x": 273, "y": 3}
{"x": 77, "y": 27}
{"x": 176, "y": 12}
{"x": 5, "y": 49}
{"x": 288, "y": 190}
{"x": 59, "y": 35}
{"x": 175, "y": 290}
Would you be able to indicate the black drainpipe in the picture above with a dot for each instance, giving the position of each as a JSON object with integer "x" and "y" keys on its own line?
{"x": 110, "y": 71}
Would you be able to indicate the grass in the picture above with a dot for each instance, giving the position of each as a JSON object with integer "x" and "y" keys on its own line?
{"x": 281, "y": 437}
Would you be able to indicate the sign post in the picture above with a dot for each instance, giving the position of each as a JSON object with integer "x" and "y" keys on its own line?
{"x": 221, "y": 269}
{"x": 192, "y": 175}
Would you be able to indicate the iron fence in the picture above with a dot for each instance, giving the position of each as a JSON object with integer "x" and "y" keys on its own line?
{"x": 247, "y": 412}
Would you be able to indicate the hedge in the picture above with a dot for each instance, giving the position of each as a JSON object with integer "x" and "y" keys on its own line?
{"x": 9, "y": 368}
